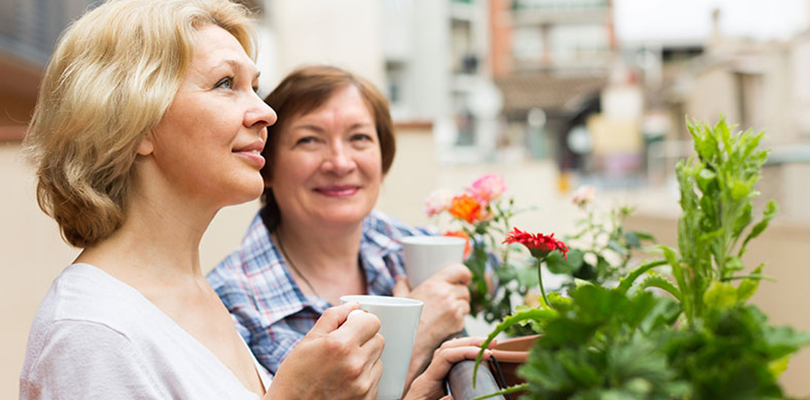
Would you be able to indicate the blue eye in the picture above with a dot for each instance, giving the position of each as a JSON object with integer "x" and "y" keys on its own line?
{"x": 225, "y": 83}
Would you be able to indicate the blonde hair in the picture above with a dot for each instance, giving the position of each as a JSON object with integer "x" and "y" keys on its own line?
{"x": 113, "y": 75}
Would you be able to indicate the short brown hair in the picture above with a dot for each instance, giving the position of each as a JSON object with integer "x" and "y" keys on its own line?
{"x": 305, "y": 90}
{"x": 113, "y": 75}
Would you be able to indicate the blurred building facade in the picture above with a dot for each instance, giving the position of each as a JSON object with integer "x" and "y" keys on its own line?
{"x": 566, "y": 91}
{"x": 28, "y": 32}
{"x": 436, "y": 65}
{"x": 758, "y": 85}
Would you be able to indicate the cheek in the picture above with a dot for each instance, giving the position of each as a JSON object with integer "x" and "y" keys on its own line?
{"x": 371, "y": 163}
{"x": 292, "y": 171}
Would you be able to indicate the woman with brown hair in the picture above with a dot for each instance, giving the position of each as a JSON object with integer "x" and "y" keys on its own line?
{"x": 317, "y": 236}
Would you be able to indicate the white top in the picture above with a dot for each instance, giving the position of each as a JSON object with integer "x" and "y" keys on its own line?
{"x": 95, "y": 337}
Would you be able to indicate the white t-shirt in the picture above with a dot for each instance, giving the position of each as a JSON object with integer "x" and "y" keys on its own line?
{"x": 95, "y": 337}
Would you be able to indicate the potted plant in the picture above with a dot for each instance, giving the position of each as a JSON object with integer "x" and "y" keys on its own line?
{"x": 703, "y": 340}
{"x": 599, "y": 252}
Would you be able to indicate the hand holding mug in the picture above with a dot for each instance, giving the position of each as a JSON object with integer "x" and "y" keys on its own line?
{"x": 430, "y": 384}
{"x": 340, "y": 356}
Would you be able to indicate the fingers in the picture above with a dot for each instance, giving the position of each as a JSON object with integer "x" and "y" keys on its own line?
{"x": 467, "y": 341}
{"x": 445, "y": 357}
{"x": 462, "y": 292}
{"x": 333, "y": 318}
{"x": 456, "y": 274}
{"x": 401, "y": 288}
{"x": 358, "y": 329}
{"x": 375, "y": 374}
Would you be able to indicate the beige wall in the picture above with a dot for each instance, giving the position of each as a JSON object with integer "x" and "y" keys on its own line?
{"x": 713, "y": 92}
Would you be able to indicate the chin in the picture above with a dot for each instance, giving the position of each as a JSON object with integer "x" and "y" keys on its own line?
{"x": 246, "y": 192}
{"x": 345, "y": 217}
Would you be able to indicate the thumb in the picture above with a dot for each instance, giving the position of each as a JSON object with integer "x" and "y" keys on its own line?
{"x": 401, "y": 289}
{"x": 333, "y": 318}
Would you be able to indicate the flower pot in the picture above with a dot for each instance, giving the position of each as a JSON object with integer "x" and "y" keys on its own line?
{"x": 508, "y": 355}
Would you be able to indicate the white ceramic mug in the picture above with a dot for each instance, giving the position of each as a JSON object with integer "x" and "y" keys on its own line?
{"x": 426, "y": 255}
{"x": 399, "y": 320}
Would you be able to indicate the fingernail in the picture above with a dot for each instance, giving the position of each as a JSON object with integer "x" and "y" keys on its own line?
{"x": 354, "y": 312}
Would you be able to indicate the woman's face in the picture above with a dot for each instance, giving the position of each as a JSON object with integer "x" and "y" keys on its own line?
{"x": 328, "y": 165}
{"x": 209, "y": 141}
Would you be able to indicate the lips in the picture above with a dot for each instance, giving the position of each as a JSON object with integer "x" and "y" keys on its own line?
{"x": 338, "y": 191}
{"x": 252, "y": 153}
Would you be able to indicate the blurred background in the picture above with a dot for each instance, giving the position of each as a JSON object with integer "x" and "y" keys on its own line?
{"x": 551, "y": 94}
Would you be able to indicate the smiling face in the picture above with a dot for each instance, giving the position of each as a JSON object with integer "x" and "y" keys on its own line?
{"x": 208, "y": 142}
{"x": 328, "y": 165}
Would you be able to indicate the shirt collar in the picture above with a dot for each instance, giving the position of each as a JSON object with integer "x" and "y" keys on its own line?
{"x": 272, "y": 283}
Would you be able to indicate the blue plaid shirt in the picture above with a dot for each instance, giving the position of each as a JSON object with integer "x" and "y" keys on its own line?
{"x": 270, "y": 311}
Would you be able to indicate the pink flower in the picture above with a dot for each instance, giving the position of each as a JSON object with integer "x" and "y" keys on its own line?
{"x": 584, "y": 195}
{"x": 488, "y": 188}
{"x": 438, "y": 201}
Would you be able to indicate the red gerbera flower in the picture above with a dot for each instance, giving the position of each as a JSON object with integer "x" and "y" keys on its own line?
{"x": 538, "y": 244}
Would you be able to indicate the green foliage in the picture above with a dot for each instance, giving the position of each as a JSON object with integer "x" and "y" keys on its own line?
{"x": 701, "y": 342}
{"x": 604, "y": 345}
{"x": 601, "y": 250}
{"x": 717, "y": 189}
{"x": 733, "y": 354}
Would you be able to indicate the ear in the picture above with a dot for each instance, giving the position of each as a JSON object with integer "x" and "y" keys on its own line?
{"x": 147, "y": 145}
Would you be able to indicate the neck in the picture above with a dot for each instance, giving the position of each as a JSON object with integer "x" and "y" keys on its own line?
{"x": 325, "y": 264}
{"x": 157, "y": 246}
{"x": 318, "y": 250}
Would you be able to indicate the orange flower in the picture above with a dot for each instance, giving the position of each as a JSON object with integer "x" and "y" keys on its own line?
{"x": 465, "y": 236}
{"x": 466, "y": 208}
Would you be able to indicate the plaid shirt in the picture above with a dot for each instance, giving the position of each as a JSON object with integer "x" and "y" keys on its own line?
{"x": 270, "y": 311}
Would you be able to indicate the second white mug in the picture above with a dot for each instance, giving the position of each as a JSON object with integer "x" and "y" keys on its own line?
{"x": 426, "y": 255}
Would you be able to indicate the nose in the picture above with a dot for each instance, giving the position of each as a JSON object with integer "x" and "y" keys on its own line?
{"x": 339, "y": 160}
{"x": 259, "y": 115}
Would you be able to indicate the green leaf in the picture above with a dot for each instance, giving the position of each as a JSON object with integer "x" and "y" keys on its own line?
{"x": 632, "y": 240}
{"x": 767, "y": 215}
{"x": 748, "y": 286}
{"x": 778, "y": 366}
{"x": 509, "y": 390}
{"x": 557, "y": 264}
{"x": 733, "y": 264}
{"x": 656, "y": 280}
{"x": 532, "y": 314}
{"x": 720, "y": 295}
{"x": 706, "y": 180}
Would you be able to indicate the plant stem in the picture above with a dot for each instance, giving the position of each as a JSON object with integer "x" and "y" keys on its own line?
{"x": 540, "y": 283}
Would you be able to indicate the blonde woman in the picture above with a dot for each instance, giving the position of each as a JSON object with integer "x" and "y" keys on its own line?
{"x": 148, "y": 123}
